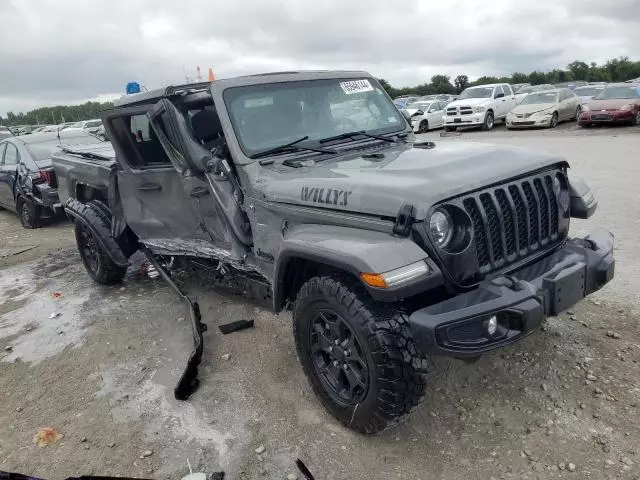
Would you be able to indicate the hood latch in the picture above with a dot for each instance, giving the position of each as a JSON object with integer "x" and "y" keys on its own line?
{"x": 404, "y": 220}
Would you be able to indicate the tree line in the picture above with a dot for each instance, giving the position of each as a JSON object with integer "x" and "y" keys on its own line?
{"x": 56, "y": 115}
{"x": 614, "y": 70}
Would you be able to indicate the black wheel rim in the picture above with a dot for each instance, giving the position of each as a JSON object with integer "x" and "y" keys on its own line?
{"x": 24, "y": 212}
{"x": 89, "y": 249}
{"x": 338, "y": 358}
{"x": 423, "y": 127}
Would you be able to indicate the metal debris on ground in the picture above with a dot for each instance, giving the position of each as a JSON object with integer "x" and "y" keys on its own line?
{"x": 304, "y": 470}
{"x": 46, "y": 436}
{"x": 235, "y": 326}
{"x": 53, "y": 315}
{"x": 11, "y": 251}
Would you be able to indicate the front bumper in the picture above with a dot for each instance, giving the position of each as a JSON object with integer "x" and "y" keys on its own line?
{"x": 618, "y": 116}
{"x": 475, "y": 119}
{"x": 528, "y": 122}
{"x": 520, "y": 302}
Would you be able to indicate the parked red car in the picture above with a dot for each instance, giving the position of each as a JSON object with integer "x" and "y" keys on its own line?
{"x": 614, "y": 104}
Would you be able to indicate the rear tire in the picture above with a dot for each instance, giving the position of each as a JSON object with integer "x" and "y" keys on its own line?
{"x": 29, "y": 213}
{"x": 370, "y": 376}
{"x": 95, "y": 259}
{"x": 489, "y": 121}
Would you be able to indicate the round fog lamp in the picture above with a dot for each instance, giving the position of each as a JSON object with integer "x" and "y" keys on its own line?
{"x": 492, "y": 325}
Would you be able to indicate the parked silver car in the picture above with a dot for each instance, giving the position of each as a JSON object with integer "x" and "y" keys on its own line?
{"x": 544, "y": 109}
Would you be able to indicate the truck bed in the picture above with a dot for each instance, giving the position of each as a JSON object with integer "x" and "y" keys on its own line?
{"x": 84, "y": 171}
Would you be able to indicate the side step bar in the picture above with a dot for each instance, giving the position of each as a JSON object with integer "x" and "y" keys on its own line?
{"x": 189, "y": 381}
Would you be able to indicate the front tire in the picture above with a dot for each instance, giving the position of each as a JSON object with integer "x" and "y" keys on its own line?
{"x": 578, "y": 112}
{"x": 489, "y": 122}
{"x": 636, "y": 119}
{"x": 96, "y": 261}
{"x": 554, "y": 120}
{"x": 29, "y": 213}
{"x": 358, "y": 355}
{"x": 423, "y": 127}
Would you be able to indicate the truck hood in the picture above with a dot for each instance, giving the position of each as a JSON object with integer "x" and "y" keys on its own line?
{"x": 469, "y": 102}
{"x": 407, "y": 174}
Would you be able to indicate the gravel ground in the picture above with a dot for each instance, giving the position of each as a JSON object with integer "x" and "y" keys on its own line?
{"x": 561, "y": 404}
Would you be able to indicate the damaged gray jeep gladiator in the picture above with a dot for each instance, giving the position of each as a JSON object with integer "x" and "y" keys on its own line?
{"x": 388, "y": 250}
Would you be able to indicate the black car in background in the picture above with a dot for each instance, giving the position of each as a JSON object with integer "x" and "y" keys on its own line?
{"x": 27, "y": 181}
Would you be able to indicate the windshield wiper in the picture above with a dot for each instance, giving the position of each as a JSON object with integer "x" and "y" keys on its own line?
{"x": 290, "y": 147}
{"x": 355, "y": 134}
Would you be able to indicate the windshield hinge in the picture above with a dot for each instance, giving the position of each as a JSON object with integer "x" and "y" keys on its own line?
{"x": 404, "y": 220}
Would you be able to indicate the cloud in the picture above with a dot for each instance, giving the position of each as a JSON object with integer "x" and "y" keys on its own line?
{"x": 63, "y": 51}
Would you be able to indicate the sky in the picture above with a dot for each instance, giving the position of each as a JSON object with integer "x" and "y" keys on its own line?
{"x": 70, "y": 51}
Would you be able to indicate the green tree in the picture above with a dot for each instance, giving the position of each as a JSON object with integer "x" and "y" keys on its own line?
{"x": 442, "y": 84}
{"x": 485, "y": 79}
{"x": 384, "y": 84}
{"x": 579, "y": 70}
{"x": 461, "y": 82}
{"x": 519, "y": 78}
{"x": 536, "y": 78}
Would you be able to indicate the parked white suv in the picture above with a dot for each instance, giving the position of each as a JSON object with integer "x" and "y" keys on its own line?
{"x": 480, "y": 106}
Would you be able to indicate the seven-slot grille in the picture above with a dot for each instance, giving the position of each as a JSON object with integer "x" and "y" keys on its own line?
{"x": 514, "y": 221}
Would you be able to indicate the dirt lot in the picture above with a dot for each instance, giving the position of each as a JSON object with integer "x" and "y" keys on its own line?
{"x": 561, "y": 404}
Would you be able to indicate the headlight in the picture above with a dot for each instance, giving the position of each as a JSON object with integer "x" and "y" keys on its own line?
{"x": 626, "y": 108}
{"x": 479, "y": 109}
{"x": 441, "y": 227}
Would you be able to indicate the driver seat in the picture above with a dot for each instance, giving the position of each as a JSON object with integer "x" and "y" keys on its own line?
{"x": 207, "y": 129}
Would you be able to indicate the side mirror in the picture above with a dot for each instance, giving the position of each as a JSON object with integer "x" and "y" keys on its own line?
{"x": 418, "y": 113}
{"x": 582, "y": 201}
{"x": 499, "y": 95}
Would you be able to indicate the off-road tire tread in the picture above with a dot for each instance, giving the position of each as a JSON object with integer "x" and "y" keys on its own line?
{"x": 108, "y": 272}
{"x": 401, "y": 369}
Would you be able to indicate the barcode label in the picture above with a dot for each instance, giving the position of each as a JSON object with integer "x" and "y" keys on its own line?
{"x": 356, "y": 86}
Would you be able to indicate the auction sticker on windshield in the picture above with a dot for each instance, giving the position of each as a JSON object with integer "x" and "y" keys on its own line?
{"x": 356, "y": 86}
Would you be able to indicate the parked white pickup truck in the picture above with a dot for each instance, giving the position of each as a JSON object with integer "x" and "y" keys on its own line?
{"x": 480, "y": 106}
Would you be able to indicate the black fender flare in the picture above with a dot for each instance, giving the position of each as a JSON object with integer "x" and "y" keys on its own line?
{"x": 97, "y": 218}
{"x": 353, "y": 251}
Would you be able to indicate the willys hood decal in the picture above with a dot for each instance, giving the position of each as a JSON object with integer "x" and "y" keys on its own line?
{"x": 406, "y": 174}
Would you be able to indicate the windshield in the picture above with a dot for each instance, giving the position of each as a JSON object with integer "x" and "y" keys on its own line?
{"x": 268, "y": 115}
{"x": 419, "y": 105}
{"x": 476, "y": 92}
{"x": 587, "y": 91}
{"x": 542, "y": 97}
{"x": 40, "y": 151}
{"x": 529, "y": 89}
{"x": 618, "y": 92}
